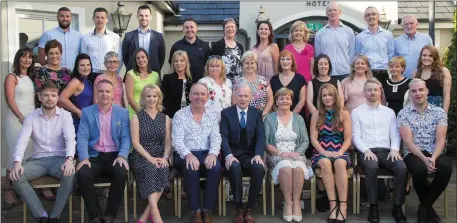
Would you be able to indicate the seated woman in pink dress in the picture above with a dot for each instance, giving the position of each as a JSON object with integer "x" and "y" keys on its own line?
{"x": 303, "y": 52}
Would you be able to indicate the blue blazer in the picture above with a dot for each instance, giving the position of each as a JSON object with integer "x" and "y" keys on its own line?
{"x": 89, "y": 131}
{"x": 230, "y": 132}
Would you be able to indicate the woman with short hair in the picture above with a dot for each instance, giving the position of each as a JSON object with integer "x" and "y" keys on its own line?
{"x": 111, "y": 61}
{"x": 303, "y": 52}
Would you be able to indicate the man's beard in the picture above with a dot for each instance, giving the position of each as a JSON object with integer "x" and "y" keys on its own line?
{"x": 62, "y": 26}
{"x": 48, "y": 107}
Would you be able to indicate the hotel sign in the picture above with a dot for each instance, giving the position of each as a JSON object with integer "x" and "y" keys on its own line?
{"x": 317, "y": 3}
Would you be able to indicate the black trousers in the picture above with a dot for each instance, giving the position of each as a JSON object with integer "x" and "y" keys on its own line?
{"x": 371, "y": 167}
{"x": 235, "y": 173}
{"x": 102, "y": 165}
{"x": 381, "y": 75}
{"x": 428, "y": 193}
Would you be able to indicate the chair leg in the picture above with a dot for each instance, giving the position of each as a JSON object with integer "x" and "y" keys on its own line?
{"x": 446, "y": 198}
{"x": 313, "y": 195}
{"x": 179, "y": 198}
{"x": 224, "y": 196}
{"x": 354, "y": 193}
{"x": 134, "y": 200}
{"x": 358, "y": 194}
{"x": 70, "y": 208}
{"x": 175, "y": 195}
{"x": 219, "y": 197}
{"x": 82, "y": 209}
{"x": 126, "y": 211}
{"x": 24, "y": 210}
{"x": 264, "y": 195}
{"x": 272, "y": 185}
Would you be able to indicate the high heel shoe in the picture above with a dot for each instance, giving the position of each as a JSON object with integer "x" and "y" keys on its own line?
{"x": 339, "y": 212}
{"x": 287, "y": 218}
{"x": 332, "y": 220}
{"x": 297, "y": 218}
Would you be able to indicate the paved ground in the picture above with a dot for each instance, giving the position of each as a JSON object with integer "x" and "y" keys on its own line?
{"x": 15, "y": 215}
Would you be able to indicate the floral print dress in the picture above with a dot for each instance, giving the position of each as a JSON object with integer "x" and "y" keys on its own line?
{"x": 219, "y": 97}
{"x": 44, "y": 74}
{"x": 259, "y": 89}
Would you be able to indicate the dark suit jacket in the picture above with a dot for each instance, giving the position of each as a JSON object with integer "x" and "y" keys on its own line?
{"x": 156, "y": 50}
{"x": 230, "y": 132}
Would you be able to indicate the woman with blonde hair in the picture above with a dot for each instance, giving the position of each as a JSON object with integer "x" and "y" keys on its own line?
{"x": 396, "y": 87}
{"x": 330, "y": 133}
{"x": 219, "y": 86}
{"x": 286, "y": 143}
{"x": 303, "y": 52}
{"x": 353, "y": 85}
{"x": 176, "y": 85}
{"x": 151, "y": 138}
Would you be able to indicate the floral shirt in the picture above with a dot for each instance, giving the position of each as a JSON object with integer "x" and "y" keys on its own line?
{"x": 219, "y": 97}
{"x": 423, "y": 126}
{"x": 43, "y": 74}
{"x": 189, "y": 135}
{"x": 232, "y": 62}
{"x": 259, "y": 89}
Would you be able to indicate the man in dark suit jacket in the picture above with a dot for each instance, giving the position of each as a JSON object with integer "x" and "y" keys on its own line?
{"x": 146, "y": 38}
{"x": 243, "y": 144}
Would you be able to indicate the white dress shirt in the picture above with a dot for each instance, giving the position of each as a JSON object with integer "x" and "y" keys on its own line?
{"x": 54, "y": 136}
{"x": 374, "y": 127}
{"x": 96, "y": 46}
{"x": 238, "y": 110}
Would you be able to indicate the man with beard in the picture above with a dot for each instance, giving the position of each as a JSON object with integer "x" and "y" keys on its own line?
{"x": 376, "y": 43}
{"x": 53, "y": 134}
{"x": 197, "y": 49}
{"x": 423, "y": 128}
{"x": 197, "y": 142}
{"x": 376, "y": 137}
{"x": 103, "y": 144}
{"x": 146, "y": 38}
{"x": 69, "y": 38}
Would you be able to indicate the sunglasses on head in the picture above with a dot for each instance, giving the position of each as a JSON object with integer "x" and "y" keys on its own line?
{"x": 217, "y": 57}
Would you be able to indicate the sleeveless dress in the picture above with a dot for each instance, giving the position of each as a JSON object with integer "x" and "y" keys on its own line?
{"x": 138, "y": 85}
{"x": 435, "y": 92}
{"x": 24, "y": 97}
{"x": 82, "y": 100}
{"x": 330, "y": 140}
{"x": 149, "y": 178}
{"x": 265, "y": 67}
{"x": 317, "y": 85}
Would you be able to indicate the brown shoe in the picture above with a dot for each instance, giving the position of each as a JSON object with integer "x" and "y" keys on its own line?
{"x": 197, "y": 217}
{"x": 248, "y": 218}
{"x": 239, "y": 216}
{"x": 207, "y": 217}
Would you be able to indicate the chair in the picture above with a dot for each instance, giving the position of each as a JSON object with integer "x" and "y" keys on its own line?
{"x": 105, "y": 181}
{"x": 245, "y": 178}
{"x": 49, "y": 182}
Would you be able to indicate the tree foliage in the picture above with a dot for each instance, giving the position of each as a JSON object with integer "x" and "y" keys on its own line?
{"x": 450, "y": 61}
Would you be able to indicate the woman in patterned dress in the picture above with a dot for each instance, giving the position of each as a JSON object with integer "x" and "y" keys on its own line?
{"x": 262, "y": 97}
{"x": 353, "y": 85}
{"x": 112, "y": 65}
{"x": 436, "y": 76}
{"x": 331, "y": 138}
{"x": 286, "y": 143}
{"x": 219, "y": 86}
{"x": 151, "y": 137}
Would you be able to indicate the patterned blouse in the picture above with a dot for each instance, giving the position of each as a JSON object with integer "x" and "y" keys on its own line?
{"x": 259, "y": 90}
{"x": 219, "y": 97}
{"x": 353, "y": 93}
{"x": 118, "y": 90}
{"x": 44, "y": 74}
{"x": 189, "y": 135}
{"x": 423, "y": 126}
{"x": 232, "y": 62}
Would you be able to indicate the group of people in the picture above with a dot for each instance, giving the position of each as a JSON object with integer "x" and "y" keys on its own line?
{"x": 221, "y": 108}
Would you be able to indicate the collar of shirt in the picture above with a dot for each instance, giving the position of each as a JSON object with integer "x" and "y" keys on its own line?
{"x": 340, "y": 24}
{"x": 105, "y": 33}
{"x": 58, "y": 112}
{"x": 197, "y": 41}
{"x": 109, "y": 110}
{"x": 367, "y": 31}
{"x": 238, "y": 110}
{"x": 58, "y": 28}
{"x": 413, "y": 108}
{"x": 414, "y": 37}
{"x": 371, "y": 108}
{"x": 147, "y": 31}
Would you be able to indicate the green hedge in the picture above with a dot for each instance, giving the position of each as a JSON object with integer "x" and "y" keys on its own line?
{"x": 451, "y": 63}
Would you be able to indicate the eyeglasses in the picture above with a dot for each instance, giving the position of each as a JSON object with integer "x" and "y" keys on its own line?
{"x": 112, "y": 62}
{"x": 217, "y": 57}
{"x": 285, "y": 59}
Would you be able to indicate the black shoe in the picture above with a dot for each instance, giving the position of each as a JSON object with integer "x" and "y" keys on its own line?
{"x": 373, "y": 215}
{"x": 108, "y": 219}
{"x": 422, "y": 214}
{"x": 43, "y": 220}
{"x": 398, "y": 215}
{"x": 97, "y": 220}
{"x": 433, "y": 216}
{"x": 332, "y": 220}
{"x": 340, "y": 213}
{"x": 54, "y": 220}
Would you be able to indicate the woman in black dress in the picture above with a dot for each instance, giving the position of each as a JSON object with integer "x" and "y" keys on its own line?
{"x": 176, "y": 85}
{"x": 396, "y": 88}
{"x": 151, "y": 138}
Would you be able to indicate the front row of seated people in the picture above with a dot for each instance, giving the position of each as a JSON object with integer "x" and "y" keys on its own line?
{"x": 105, "y": 137}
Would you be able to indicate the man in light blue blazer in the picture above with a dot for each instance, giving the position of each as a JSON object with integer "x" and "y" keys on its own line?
{"x": 103, "y": 143}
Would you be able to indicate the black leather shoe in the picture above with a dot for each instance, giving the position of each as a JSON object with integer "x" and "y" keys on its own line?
{"x": 433, "y": 216}
{"x": 422, "y": 214}
{"x": 398, "y": 215}
{"x": 373, "y": 214}
{"x": 108, "y": 219}
{"x": 97, "y": 220}
{"x": 43, "y": 220}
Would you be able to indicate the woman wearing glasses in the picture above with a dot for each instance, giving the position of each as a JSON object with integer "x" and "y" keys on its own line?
{"x": 112, "y": 64}
{"x": 219, "y": 87}
{"x": 230, "y": 50}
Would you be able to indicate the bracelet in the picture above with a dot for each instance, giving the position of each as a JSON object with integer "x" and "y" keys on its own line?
{"x": 166, "y": 156}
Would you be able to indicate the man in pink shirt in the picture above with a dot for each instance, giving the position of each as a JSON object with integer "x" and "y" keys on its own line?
{"x": 103, "y": 145}
{"x": 53, "y": 134}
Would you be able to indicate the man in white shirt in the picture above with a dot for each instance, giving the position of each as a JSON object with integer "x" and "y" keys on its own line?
{"x": 53, "y": 134}
{"x": 375, "y": 135}
{"x": 100, "y": 41}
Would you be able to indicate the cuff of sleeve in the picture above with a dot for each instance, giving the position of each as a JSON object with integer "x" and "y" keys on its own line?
{"x": 229, "y": 155}
{"x": 82, "y": 157}
{"x": 396, "y": 149}
{"x": 216, "y": 153}
{"x": 124, "y": 154}
{"x": 184, "y": 154}
{"x": 17, "y": 159}
{"x": 72, "y": 154}
{"x": 363, "y": 149}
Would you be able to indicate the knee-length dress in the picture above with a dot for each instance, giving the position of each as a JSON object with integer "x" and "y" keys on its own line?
{"x": 331, "y": 140}
{"x": 149, "y": 178}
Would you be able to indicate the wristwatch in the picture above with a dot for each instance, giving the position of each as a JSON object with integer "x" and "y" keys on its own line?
{"x": 69, "y": 158}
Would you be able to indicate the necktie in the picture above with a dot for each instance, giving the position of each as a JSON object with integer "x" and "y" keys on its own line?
{"x": 242, "y": 121}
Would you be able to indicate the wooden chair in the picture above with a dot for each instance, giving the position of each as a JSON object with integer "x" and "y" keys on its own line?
{"x": 245, "y": 178}
{"x": 105, "y": 181}
{"x": 49, "y": 182}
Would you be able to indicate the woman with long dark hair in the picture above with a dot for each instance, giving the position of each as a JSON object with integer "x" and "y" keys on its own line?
{"x": 267, "y": 50}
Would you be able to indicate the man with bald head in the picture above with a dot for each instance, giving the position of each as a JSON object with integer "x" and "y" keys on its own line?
{"x": 197, "y": 143}
{"x": 423, "y": 128}
{"x": 243, "y": 144}
{"x": 337, "y": 41}
{"x": 410, "y": 44}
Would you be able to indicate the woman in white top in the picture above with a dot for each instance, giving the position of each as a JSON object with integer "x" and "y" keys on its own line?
{"x": 219, "y": 86}
{"x": 20, "y": 98}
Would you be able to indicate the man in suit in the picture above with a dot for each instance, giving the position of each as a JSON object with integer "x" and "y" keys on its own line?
{"x": 146, "y": 38}
{"x": 103, "y": 143}
{"x": 243, "y": 143}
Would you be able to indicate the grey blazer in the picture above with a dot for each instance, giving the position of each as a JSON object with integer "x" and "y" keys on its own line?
{"x": 298, "y": 125}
